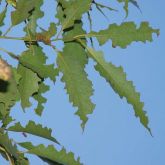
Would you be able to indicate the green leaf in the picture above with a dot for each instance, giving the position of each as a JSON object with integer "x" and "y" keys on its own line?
{"x": 4, "y": 116}
{"x": 74, "y": 11}
{"x": 124, "y": 34}
{"x": 34, "y": 129}
{"x": 22, "y": 11}
{"x": 35, "y": 59}
{"x": 51, "y": 154}
{"x": 32, "y": 21}
{"x": 72, "y": 64}
{"x": 39, "y": 98}
{"x": 7, "y": 143}
{"x": 116, "y": 77}
{"x": 28, "y": 85}
{"x": 12, "y": 150}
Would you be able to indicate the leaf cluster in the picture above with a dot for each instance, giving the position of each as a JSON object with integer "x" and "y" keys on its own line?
{"x": 28, "y": 79}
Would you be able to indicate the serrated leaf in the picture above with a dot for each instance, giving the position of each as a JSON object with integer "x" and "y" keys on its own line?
{"x": 32, "y": 21}
{"x": 39, "y": 98}
{"x": 4, "y": 116}
{"x": 51, "y": 154}
{"x": 22, "y": 11}
{"x": 71, "y": 63}
{"x": 35, "y": 59}
{"x": 74, "y": 11}
{"x": 124, "y": 34}
{"x": 34, "y": 129}
{"x": 116, "y": 77}
{"x": 60, "y": 13}
{"x": 28, "y": 85}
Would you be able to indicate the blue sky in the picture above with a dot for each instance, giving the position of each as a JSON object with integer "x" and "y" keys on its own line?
{"x": 113, "y": 135}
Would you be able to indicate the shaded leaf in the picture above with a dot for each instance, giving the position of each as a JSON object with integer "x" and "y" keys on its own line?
{"x": 32, "y": 20}
{"x": 28, "y": 85}
{"x": 35, "y": 59}
{"x": 39, "y": 98}
{"x": 22, "y": 12}
{"x": 74, "y": 10}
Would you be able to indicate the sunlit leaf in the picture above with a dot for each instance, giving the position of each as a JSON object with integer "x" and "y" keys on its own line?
{"x": 124, "y": 34}
{"x": 116, "y": 77}
{"x": 71, "y": 63}
{"x": 34, "y": 129}
{"x": 51, "y": 154}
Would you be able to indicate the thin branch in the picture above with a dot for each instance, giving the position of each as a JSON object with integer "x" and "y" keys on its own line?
{"x": 7, "y": 155}
{"x": 8, "y": 30}
{"x": 10, "y": 53}
{"x": 12, "y": 38}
